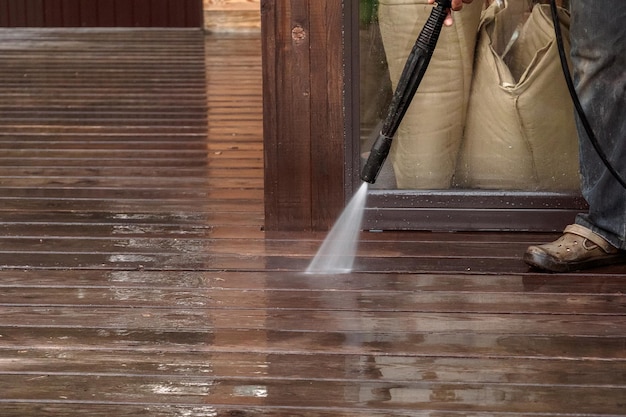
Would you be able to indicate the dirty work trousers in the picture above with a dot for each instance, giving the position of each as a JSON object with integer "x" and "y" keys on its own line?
{"x": 598, "y": 37}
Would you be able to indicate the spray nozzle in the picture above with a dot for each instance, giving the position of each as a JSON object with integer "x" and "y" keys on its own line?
{"x": 376, "y": 159}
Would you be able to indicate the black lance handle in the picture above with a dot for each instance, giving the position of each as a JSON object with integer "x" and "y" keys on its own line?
{"x": 411, "y": 76}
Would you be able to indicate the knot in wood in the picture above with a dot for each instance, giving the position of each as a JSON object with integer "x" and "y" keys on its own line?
{"x": 298, "y": 34}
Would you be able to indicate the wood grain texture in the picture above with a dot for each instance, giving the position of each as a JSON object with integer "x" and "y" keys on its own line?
{"x": 136, "y": 278}
{"x": 251, "y": 5}
{"x": 101, "y": 13}
{"x": 304, "y": 113}
{"x": 232, "y": 15}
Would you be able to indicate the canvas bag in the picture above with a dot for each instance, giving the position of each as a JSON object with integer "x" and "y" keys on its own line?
{"x": 520, "y": 132}
{"x": 426, "y": 146}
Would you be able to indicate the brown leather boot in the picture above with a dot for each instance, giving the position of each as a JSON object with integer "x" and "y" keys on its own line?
{"x": 578, "y": 248}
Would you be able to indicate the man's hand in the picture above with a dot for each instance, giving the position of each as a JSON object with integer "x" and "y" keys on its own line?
{"x": 456, "y": 6}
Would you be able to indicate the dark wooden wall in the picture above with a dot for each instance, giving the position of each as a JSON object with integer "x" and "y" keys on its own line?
{"x": 304, "y": 112}
{"x": 101, "y": 13}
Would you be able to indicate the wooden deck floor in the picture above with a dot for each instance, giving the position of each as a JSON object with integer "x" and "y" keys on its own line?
{"x": 136, "y": 279}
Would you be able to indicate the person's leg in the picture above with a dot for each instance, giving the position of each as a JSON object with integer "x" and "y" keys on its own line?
{"x": 598, "y": 37}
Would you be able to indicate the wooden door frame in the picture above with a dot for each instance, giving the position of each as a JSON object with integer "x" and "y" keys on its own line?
{"x": 311, "y": 125}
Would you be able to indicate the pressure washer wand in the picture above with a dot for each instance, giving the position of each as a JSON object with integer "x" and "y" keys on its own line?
{"x": 411, "y": 76}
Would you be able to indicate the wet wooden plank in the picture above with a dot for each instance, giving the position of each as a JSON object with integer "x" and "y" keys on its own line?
{"x": 121, "y": 223}
{"x": 323, "y": 394}
{"x": 192, "y": 261}
{"x": 411, "y": 324}
{"x": 279, "y": 342}
{"x": 261, "y": 247}
{"x": 251, "y": 254}
{"x": 338, "y": 367}
{"x": 131, "y": 205}
{"x": 529, "y": 284}
{"x": 371, "y": 301}
{"x": 215, "y": 230}
{"x": 203, "y": 411}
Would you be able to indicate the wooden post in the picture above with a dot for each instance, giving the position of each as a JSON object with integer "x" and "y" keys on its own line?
{"x": 304, "y": 113}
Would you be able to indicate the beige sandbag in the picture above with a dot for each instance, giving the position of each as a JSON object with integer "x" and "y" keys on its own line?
{"x": 520, "y": 131}
{"x": 425, "y": 149}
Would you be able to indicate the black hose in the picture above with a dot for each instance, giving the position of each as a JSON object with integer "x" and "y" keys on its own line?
{"x": 410, "y": 79}
{"x": 572, "y": 90}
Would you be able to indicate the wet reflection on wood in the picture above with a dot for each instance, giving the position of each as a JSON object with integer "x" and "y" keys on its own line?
{"x": 136, "y": 278}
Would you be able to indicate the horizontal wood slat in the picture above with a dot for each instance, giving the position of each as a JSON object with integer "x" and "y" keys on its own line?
{"x": 101, "y": 13}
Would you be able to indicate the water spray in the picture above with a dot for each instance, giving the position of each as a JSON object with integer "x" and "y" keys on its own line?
{"x": 410, "y": 79}
{"x": 336, "y": 255}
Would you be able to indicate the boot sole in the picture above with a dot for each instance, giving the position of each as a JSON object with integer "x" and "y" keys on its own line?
{"x": 547, "y": 263}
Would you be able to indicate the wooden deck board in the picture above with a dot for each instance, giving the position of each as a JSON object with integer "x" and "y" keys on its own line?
{"x": 136, "y": 279}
